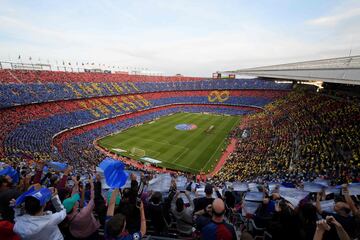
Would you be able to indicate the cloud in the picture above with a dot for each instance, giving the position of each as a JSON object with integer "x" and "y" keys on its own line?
{"x": 175, "y": 38}
{"x": 332, "y": 20}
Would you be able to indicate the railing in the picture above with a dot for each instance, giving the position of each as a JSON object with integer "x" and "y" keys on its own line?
{"x": 76, "y": 67}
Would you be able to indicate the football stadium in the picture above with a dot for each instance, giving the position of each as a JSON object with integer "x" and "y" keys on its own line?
{"x": 180, "y": 120}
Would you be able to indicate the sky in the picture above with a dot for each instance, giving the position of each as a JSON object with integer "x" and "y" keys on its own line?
{"x": 190, "y": 37}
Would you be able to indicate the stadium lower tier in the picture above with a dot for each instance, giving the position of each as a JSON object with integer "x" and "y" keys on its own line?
{"x": 77, "y": 145}
{"x": 299, "y": 137}
{"x": 29, "y": 129}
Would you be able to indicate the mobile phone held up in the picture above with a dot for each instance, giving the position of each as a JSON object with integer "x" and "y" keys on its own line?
{"x": 139, "y": 193}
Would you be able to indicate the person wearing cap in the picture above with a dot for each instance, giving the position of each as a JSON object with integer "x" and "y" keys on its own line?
{"x": 37, "y": 223}
{"x": 216, "y": 227}
{"x": 82, "y": 223}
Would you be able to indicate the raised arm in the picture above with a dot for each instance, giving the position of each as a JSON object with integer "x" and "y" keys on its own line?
{"x": 62, "y": 183}
{"x": 321, "y": 228}
{"x": 60, "y": 214}
{"x": 187, "y": 194}
{"x": 143, "y": 220}
{"x": 75, "y": 189}
{"x": 173, "y": 201}
{"x": 92, "y": 190}
{"x": 348, "y": 199}
{"x": 111, "y": 205}
{"x": 82, "y": 191}
{"x": 318, "y": 206}
{"x": 339, "y": 228}
{"x": 218, "y": 194}
{"x": 38, "y": 174}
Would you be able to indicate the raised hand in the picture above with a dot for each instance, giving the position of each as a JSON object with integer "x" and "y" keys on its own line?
{"x": 322, "y": 225}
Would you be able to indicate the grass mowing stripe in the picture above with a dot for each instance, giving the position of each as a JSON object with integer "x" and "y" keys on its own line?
{"x": 162, "y": 130}
{"x": 195, "y": 140}
{"x": 203, "y": 143}
{"x": 175, "y": 137}
{"x": 209, "y": 165}
{"x": 183, "y": 150}
{"x": 178, "y": 156}
{"x": 156, "y": 127}
{"x": 146, "y": 131}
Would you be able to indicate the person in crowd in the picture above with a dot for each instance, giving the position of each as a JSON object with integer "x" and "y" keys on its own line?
{"x": 342, "y": 215}
{"x": 128, "y": 206}
{"x": 81, "y": 221}
{"x": 200, "y": 204}
{"x": 115, "y": 226}
{"x": 216, "y": 227}
{"x": 157, "y": 213}
{"x": 325, "y": 225}
{"x": 183, "y": 214}
{"x": 264, "y": 212}
{"x": 7, "y": 192}
{"x": 307, "y": 216}
{"x": 37, "y": 223}
{"x": 284, "y": 223}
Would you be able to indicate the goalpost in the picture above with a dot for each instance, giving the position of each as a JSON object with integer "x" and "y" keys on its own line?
{"x": 137, "y": 152}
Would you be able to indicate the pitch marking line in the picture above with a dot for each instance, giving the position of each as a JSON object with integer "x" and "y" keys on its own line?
{"x": 150, "y": 140}
{"x": 218, "y": 147}
{"x": 163, "y": 143}
{"x": 186, "y": 150}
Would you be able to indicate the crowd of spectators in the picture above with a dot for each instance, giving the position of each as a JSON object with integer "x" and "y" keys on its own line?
{"x": 299, "y": 137}
{"x": 38, "y": 201}
{"x": 32, "y": 127}
{"x": 28, "y": 87}
{"x": 32, "y": 76}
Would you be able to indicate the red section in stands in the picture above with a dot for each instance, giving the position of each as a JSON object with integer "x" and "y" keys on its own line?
{"x": 26, "y": 76}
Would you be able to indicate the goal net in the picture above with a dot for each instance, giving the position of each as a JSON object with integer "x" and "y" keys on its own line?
{"x": 137, "y": 152}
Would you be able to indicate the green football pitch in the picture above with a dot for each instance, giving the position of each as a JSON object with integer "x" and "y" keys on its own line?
{"x": 194, "y": 151}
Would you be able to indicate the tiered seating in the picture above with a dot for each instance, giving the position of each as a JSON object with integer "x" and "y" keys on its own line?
{"x": 25, "y": 87}
{"x": 30, "y": 76}
{"x": 72, "y": 143}
{"x": 301, "y": 136}
{"x": 35, "y": 132}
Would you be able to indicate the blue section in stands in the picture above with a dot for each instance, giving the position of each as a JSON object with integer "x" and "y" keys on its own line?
{"x": 16, "y": 94}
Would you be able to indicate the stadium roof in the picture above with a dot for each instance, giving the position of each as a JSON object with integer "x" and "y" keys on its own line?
{"x": 344, "y": 70}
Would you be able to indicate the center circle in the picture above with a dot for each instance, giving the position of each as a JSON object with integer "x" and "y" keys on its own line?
{"x": 185, "y": 127}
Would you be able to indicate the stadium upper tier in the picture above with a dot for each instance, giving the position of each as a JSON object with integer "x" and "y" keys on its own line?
{"x": 38, "y": 105}
{"x": 27, "y": 87}
{"x": 33, "y": 76}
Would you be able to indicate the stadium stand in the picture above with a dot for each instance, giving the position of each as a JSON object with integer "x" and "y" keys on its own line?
{"x": 299, "y": 138}
{"x": 296, "y": 159}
